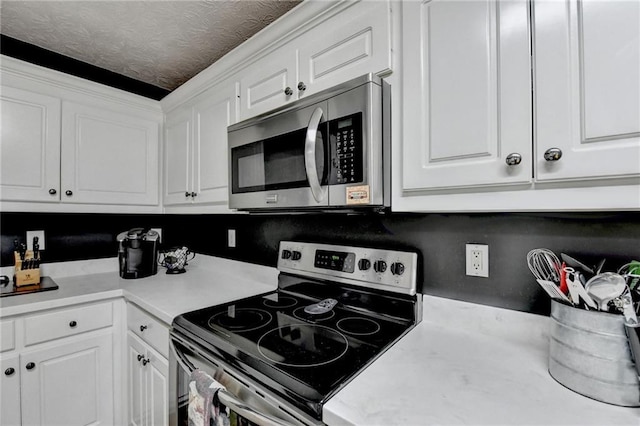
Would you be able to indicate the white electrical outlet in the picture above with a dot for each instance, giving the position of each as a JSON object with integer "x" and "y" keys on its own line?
{"x": 159, "y": 231}
{"x": 477, "y": 260}
{"x": 231, "y": 237}
{"x": 40, "y": 235}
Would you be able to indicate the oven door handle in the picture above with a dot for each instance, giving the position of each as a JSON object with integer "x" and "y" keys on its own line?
{"x": 318, "y": 192}
{"x": 237, "y": 405}
{"x": 229, "y": 399}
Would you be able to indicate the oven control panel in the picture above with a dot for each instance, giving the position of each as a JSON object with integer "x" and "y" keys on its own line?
{"x": 384, "y": 269}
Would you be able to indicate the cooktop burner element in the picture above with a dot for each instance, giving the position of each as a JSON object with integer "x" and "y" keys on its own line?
{"x": 332, "y": 314}
{"x": 358, "y": 326}
{"x": 303, "y": 345}
{"x": 280, "y": 302}
{"x": 240, "y": 320}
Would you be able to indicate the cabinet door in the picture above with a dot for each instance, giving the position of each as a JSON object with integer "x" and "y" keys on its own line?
{"x": 108, "y": 157}
{"x": 136, "y": 381}
{"x": 30, "y": 135}
{"x": 264, "y": 86}
{"x": 157, "y": 371}
{"x": 177, "y": 156}
{"x": 69, "y": 384}
{"x": 587, "y": 82}
{"x": 466, "y": 94}
{"x": 354, "y": 42}
{"x": 210, "y": 156}
{"x": 10, "y": 387}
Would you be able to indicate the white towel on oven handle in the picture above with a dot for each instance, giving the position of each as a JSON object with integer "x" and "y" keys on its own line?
{"x": 204, "y": 408}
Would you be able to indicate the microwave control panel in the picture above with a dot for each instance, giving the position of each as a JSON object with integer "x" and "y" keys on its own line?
{"x": 346, "y": 149}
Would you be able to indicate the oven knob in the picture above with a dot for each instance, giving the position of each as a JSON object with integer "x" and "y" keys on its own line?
{"x": 364, "y": 264}
{"x": 379, "y": 266}
{"x": 296, "y": 255}
{"x": 286, "y": 254}
{"x": 397, "y": 268}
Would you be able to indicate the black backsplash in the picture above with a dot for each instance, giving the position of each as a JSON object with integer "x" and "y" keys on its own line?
{"x": 441, "y": 239}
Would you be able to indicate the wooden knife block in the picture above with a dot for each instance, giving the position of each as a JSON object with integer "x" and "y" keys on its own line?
{"x": 24, "y": 277}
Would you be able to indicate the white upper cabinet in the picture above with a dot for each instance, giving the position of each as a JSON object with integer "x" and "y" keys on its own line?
{"x": 196, "y": 148}
{"x": 354, "y": 42}
{"x": 466, "y": 95}
{"x": 587, "y": 88}
{"x": 350, "y": 42}
{"x": 30, "y": 160}
{"x": 69, "y": 144}
{"x": 108, "y": 157}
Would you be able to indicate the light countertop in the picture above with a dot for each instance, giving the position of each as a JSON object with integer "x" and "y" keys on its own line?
{"x": 468, "y": 364}
{"x": 208, "y": 281}
{"x": 463, "y": 364}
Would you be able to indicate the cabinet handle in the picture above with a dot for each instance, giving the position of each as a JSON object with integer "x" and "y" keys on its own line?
{"x": 194, "y": 194}
{"x": 72, "y": 324}
{"x": 68, "y": 193}
{"x": 513, "y": 159}
{"x": 143, "y": 328}
{"x": 288, "y": 91}
{"x": 187, "y": 194}
{"x": 553, "y": 154}
{"x": 52, "y": 191}
{"x": 140, "y": 357}
{"x": 145, "y": 361}
{"x": 31, "y": 366}
{"x": 9, "y": 371}
{"x": 302, "y": 87}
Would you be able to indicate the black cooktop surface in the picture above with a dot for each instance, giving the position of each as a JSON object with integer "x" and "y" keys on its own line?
{"x": 304, "y": 354}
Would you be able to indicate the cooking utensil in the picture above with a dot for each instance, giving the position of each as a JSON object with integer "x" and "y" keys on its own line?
{"x": 576, "y": 264}
{"x": 544, "y": 265}
{"x": 576, "y": 290}
{"x": 631, "y": 273}
{"x": 552, "y": 290}
{"x": 605, "y": 287}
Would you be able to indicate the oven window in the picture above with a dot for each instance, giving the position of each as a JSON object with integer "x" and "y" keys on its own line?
{"x": 276, "y": 163}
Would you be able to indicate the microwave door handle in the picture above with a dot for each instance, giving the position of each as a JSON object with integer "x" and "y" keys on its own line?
{"x": 318, "y": 192}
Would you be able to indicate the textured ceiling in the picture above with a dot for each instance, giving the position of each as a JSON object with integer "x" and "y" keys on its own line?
{"x": 163, "y": 43}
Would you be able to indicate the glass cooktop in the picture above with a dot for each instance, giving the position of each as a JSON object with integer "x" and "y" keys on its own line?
{"x": 310, "y": 355}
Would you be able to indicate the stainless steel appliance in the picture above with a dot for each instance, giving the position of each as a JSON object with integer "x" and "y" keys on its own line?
{"x": 330, "y": 150}
{"x": 138, "y": 253}
{"x": 283, "y": 354}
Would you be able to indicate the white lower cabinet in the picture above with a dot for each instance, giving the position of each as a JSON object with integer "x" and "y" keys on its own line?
{"x": 68, "y": 384}
{"x": 10, "y": 387}
{"x": 148, "y": 372}
{"x": 59, "y": 367}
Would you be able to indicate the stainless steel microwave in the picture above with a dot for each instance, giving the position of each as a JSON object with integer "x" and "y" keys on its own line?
{"x": 330, "y": 150}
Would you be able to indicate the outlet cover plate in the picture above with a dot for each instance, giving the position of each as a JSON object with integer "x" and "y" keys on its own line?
{"x": 231, "y": 233}
{"x": 477, "y": 260}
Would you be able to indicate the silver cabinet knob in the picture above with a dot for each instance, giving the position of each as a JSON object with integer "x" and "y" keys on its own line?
{"x": 513, "y": 159}
{"x": 53, "y": 191}
{"x": 302, "y": 87}
{"x": 68, "y": 193}
{"x": 288, "y": 91}
{"x": 553, "y": 154}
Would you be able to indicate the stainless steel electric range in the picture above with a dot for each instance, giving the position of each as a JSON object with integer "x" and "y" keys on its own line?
{"x": 283, "y": 354}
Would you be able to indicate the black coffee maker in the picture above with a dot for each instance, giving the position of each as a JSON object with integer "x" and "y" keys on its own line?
{"x": 138, "y": 253}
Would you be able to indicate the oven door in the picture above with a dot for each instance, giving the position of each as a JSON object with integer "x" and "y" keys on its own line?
{"x": 280, "y": 161}
{"x": 248, "y": 405}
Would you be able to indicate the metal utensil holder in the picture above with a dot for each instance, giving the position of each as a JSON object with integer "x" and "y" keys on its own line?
{"x": 589, "y": 353}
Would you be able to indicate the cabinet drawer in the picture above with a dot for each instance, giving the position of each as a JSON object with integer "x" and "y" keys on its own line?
{"x": 66, "y": 322}
{"x": 149, "y": 329}
{"x": 7, "y": 335}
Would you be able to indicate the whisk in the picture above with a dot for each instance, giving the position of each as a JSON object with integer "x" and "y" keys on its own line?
{"x": 544, "y": 264}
